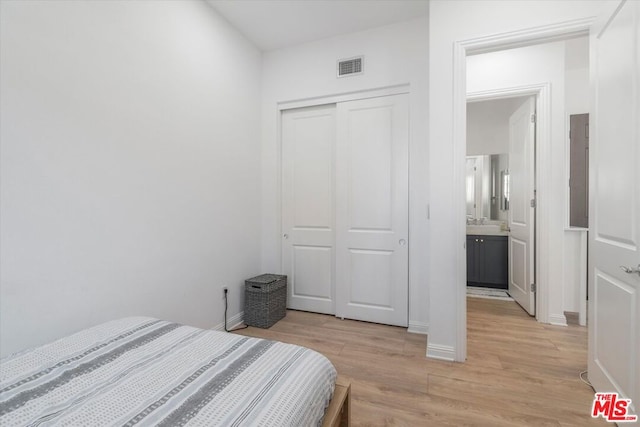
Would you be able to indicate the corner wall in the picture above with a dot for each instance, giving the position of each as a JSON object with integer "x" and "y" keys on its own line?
{"x": 130, "y": 165}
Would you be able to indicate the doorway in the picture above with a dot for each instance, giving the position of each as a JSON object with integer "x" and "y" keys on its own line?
{"x": 560, "y": 273}
{"x": 345, "y": 208}
{"x": 500, "y": 190}
{"x": 548, "y": 260}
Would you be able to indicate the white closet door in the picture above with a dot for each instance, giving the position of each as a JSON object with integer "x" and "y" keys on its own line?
{"x": 308, "y": 144}
{"x": 372, "y": 210}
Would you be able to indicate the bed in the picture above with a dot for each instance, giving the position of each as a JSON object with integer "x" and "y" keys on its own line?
{"x": 145, "y": 371}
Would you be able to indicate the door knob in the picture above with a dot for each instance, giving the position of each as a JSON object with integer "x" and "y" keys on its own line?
{"x": 402, "y": 242}
{"x": 285, "y": 235}
{"x": 630, "y": 270}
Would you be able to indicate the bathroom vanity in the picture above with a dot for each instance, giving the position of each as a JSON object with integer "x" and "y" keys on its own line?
{"x": 488, "y": 197}
{"x": 487, "y": 257}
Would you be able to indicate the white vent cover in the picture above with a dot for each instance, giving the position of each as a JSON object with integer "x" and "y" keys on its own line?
{"x": 350, "y": 66}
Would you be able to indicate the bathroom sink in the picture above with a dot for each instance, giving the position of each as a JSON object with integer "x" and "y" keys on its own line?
{"x": 486, "y": 230}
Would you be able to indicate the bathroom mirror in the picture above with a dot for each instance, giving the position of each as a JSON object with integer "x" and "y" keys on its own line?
{"x": 487, "y": 184}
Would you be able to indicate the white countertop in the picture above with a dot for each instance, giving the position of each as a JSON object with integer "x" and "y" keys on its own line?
{"x": 486, "y": 230}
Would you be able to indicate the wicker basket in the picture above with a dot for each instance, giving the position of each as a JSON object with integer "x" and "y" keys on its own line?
{"x": 265, "y": 300}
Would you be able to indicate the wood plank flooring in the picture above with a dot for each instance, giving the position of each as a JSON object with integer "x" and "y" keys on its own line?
{"x": 518, "y": 371}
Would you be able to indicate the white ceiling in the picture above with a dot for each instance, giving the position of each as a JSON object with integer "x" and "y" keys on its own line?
{"x": 272, "y": 24}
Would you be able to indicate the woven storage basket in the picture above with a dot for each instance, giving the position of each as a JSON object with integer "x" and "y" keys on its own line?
{"x": 265, "y": 300}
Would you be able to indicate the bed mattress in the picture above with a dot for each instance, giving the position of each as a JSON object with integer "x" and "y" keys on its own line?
{"x": 145, "y": 371}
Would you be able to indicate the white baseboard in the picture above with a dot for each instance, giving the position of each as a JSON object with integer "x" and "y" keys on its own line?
{"x": 418, "y": 328}
{"x": 441, "y": 352}
{"x": 232, "y": 322}
{"x": 558, "y": 319}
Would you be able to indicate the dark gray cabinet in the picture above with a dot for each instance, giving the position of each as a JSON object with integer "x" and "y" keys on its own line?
{"x": 487, "y": 258}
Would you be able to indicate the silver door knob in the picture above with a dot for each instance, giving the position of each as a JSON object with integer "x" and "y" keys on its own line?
{"x": 285, "y": 235}
{"x": 402, "y": 242}
{"x": 630, "y": 270}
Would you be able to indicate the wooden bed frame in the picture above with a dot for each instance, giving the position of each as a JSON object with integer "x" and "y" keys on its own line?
{"x": 339, "y": 410}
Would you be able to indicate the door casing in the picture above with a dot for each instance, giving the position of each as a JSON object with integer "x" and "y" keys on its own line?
{"x": 325, "y": 100}
{"x": 542, "y": 94}
{"x": 485, "y": 44}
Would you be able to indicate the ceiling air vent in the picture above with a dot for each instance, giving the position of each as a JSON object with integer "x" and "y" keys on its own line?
{"x": 350, "y": 66}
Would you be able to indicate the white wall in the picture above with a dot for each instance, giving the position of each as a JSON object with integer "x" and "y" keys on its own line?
{"x": 488, "y": 126}
{"x": 130, "y": 163}
{"x": 394, "y": 54}
{"x": 577, "y": 92}
{"x": 577, "y": 75}
{"x": 575, "y": 270}
{"x": 450, "y": 22}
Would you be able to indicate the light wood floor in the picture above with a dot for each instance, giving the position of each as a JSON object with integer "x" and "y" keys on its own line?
{"x": 518, "y": 372}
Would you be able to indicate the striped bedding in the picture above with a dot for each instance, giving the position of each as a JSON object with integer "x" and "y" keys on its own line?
{"x": 145, "y": 371}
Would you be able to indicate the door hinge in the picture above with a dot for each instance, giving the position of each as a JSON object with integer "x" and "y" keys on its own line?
{"x": 533, "y": 203}
{"x": 534, "y": 287}
{"x": 533, "y": 118}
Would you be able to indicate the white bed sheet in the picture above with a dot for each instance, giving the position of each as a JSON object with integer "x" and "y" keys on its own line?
{"x": 145, "y": 371}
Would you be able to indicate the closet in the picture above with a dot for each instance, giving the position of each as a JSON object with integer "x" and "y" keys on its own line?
{"x": 345, "y": 208}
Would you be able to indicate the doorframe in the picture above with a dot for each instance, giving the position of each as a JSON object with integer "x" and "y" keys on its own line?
{"x": 542, "y": 93}
{"x": 343, "y": 97}
{"x": 485, "y": 44}
{"x": 281, "y": 106}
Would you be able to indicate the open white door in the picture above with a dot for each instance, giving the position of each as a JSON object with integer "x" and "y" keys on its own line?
{"x": 308, "y": 237}
{"x": 521, "y": 207}
{"x": 614, "y": 215}
{"x": 372, "y": 202}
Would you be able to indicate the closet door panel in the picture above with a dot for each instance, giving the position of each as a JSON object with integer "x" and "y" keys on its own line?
{"x": 372, "y": 210}
{"x": 308, "y": 207}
